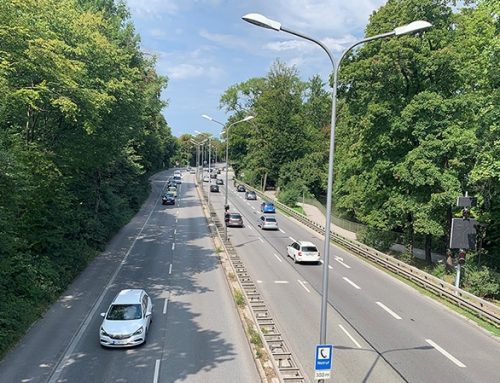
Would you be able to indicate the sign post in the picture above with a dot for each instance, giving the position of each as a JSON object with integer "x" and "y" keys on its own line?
{"x": 323, "y": 361}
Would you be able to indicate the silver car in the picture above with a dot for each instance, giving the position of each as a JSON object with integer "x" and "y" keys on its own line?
{"x": 127, "y": 321}
{"x": 268, "y": 223}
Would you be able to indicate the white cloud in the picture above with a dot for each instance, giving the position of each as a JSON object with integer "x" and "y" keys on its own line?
{"x": 287, "y": 45}
{"x": 152, "y": 8}
{"x": 226, "y": 40}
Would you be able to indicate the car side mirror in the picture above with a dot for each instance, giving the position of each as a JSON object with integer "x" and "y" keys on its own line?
{"x": 103, "y": 314}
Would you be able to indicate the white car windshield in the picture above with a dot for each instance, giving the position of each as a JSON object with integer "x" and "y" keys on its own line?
{"x": 125, "y": 312}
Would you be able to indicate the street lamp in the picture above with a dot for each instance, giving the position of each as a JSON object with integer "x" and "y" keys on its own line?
{"x": 262, "y": 21}
{"x": 247, "y": 118}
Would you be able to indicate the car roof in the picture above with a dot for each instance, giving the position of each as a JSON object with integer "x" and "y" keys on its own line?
{"x": 129, "y": 296}
{"x": 306, "y": 243}
{"x": 268, "y": 203}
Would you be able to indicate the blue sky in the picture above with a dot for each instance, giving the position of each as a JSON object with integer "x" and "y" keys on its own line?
{"x": 204, "y": 47}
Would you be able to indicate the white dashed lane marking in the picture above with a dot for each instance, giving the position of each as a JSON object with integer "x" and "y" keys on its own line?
{"x": 446, "y": 353}
{"x": 396, "y": 316}
{"x": 303, "y": 284}
{"x": 278, "y": 258}
{"x": 351, "y": 283}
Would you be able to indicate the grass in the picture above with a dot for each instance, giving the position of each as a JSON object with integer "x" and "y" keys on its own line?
{"x": 239, "y": 299}
{"x": 299, "y": 209}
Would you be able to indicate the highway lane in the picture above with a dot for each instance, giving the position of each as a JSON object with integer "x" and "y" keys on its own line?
{"x": 418, "y": 337}
{"x": 196, "y": 334}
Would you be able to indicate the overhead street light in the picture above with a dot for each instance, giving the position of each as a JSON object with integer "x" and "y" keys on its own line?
{"x": 226, "y": 128}
{"x": 262, "y": 21}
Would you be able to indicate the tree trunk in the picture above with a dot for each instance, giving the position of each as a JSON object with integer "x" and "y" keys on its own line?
{"x": 410, "y": 235}
{"x": 428, "y": 249}
{"x": 264, "y": 183}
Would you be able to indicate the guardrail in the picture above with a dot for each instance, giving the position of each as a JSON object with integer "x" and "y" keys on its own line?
{"x": 484, "y": 309}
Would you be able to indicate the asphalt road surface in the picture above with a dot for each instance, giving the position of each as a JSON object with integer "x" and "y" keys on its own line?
{"x": 196, "y": 334}
{"x": 382, "y": 329}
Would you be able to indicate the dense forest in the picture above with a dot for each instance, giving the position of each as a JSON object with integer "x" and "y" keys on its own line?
{"x": 80, "y": 131}
{"x": 417, "y": 127}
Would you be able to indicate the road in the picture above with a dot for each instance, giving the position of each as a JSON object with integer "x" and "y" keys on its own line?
{"x": 382, "y": 329}
{"x": 196, "y": 334}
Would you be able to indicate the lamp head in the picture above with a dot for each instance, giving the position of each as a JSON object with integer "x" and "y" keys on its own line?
{"x": 207, "y": 117}
{"x": 262, "y": 21}
{"x": 413, "y": 27}
{"x": 248, "y": 118}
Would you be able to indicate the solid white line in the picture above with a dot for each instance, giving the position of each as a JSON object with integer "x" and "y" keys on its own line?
{"x": 157, "y": 371}
{"x": 282, "y": 231}
{"x": 261, "y": 239}
{"x": 278, "y": 258}
{"x": 173, "y": 246}
{"x": 330, "y": 267}
{"x": 341, "y": 261}
{"x": 280, "y": 282}
{"x": 165, "y": 306}
{"x": 446, "y": 353}
{"x": 170, "y": 269}
{"x": 388, "y": 310}
{"x": 304, "y": 286}
{"x": 350, "y": 336}
{"x": 352, "y": 284}
{"x": 293, "y": 240}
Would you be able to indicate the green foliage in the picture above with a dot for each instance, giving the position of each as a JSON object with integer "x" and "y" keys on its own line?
{"x": 239, "y": 299}
{"x": 80, "y": 130}
{"x": 481, "y": 281}
{"x": 376, "y": 238}
{"x": 289, "y": 196}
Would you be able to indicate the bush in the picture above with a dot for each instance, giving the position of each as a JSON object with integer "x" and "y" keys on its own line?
{"x": 482, "y": 282}
{"x": 289, "y": 196}
{"x": 378, "y": 239}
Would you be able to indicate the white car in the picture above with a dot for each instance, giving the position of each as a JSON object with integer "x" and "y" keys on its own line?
{"x": 127, "y": 321}
{"x": 173, "y": 190}
{"x": 267, "y": 222}
{"x": 206, "y": 179}
{"x": 303, "y": 251}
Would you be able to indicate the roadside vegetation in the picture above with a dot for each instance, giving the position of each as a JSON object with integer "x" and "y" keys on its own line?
{"x": 417, "y": 127}
{"x": 80, "y": 131}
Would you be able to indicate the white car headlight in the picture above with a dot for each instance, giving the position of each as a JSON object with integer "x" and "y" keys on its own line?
{"x": 104, "y": 332}
{"x": 139, "y": 331}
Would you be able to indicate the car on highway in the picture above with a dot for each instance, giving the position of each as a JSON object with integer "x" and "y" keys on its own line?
{"x": 241, "y": 188}
{"x": 192, "y": 171}
{"x": 213, "y": 175}
{"x": 267, "y": 207}
{"x": 214, "y": 188}
{"x": 168, "y": 199}
{"x": 127, "y": 320}
{"x": 219, "y": 181}
{"x": 250, "y": 195}
{"x": 172, "y": 189}
{"x": 268, "y": 223}
{"x": 177, "y": 179}
{"x": 206, "y": 179}
{"x": 235, "y": 220}
{"x": 303, "y": 251}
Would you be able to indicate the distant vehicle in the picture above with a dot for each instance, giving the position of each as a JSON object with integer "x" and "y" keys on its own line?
{"x": 218, "y": 170}
{"x": 235, "y": 219}
{"x": 241, "y": 188}
{"x": 172, "y": 189}
{"x": 177, "y": 173}
{"x": 267, "y": 207}
{"x": 251, "y": 195}
{"x": 168, "y": 199}
{"x": 127, "y": 321}
{"x": 191, "y": 171}
{"x": 219, "y": 181}
{"x": 214, "y": 188}
{"x": 206, "y": 179}
{"x": 177, "y": 179}
{"x": 268, "y": 223}
{"x": 213, "y": 175}
{"x": 303, "y": 251}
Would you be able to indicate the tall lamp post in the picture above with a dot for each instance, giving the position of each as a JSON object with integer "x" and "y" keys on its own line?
{"x": 262, "y": 21}
{"x": 247, "y": 118}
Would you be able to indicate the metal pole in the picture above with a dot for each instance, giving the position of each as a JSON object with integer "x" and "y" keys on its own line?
{"x": 326, "y": 245}
{"x": 457, "y": 279}
{"x": 227, "y": 171}
{"x": 209, "y": 165}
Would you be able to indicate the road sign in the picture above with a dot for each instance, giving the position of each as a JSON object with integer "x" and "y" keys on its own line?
{"x": 323, "y": 361}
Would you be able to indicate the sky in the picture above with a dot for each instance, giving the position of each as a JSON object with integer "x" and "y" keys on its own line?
{"x": 204, "y": 47}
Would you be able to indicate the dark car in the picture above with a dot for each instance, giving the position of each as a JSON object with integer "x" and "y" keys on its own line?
{"x": 267, "y": 207}
{"x": 251, "y": 195}
{"x": 213, "y": 175}
{"x": 168, "y": 199}
{"x": 235, "y": 219}
{"x": 214, "y": 188}
{"x": 219, "y": 181}
{"x": 241, "y": 188}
